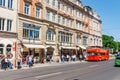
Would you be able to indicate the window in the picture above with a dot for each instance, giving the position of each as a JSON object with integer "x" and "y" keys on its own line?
{"x": 8, "y": 49}
{"x": 63, "y": 7}
{"x": 59, "y": 19}
{"x": 71, "y": 23}
{"x": 77, "y": 25}
{"x": 63, "y": 21}
{"x": 10, "y": 4}
{"x": 67, "y": 22}
{"x": 1, "y": 48}
{"x": 53, "y": 17}
{"x": 47, "y": 1}
{"x": 77, "y": 40}
{"x": 53, "y": 2}
{"x": 58, "y": 4}
{"x": 37, "y": 12}
{"x": 36, "y": 32}
{"x": 30, "y": 31}
{"x": 64, "y": 37}
{"x": 50, "y": 35}
{"x": 26, "y": 8}
{"x": 2, "y": 24}
{"x": 91, "y": 40}
{"x": 48, "y": 15}
{"x": 77, "y": 14}
{"x": 9, "y": 25}
{"x": 84, "y": 40}
{"x": 2, "y": 2}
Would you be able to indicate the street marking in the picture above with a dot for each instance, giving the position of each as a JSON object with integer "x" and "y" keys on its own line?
{"x": 48, "y": 75}
{"x": 92, "y": 66}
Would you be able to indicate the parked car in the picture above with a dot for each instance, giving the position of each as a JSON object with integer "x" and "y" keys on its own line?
{"x": 117, "y": 60}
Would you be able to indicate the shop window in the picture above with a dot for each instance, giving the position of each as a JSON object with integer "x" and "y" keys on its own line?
{"x": 8, "y": 49}
{"x": 1, "y": 48}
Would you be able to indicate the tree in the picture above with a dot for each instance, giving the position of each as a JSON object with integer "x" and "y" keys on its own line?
{"x": 108, "y": 42}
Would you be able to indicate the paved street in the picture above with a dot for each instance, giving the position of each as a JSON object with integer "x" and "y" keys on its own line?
{"x": 103, "y": 70}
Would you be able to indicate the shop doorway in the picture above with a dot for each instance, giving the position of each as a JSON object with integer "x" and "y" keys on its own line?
{"x": 49, "y": 54}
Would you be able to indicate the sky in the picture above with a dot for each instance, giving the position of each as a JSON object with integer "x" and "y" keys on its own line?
{"x": 109, "y": 11}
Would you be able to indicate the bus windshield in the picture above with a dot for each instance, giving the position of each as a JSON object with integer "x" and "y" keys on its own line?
{"x": 92, "y": 54}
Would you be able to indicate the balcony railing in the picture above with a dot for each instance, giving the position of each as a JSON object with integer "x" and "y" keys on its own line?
{"x": 29, "y": 1}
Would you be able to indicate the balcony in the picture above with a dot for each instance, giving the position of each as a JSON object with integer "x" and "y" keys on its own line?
{"x": 38, "y": 3}
{"x": 79, "y": 19}
{"x": 28, "y": 1}
{"x": 51, "y": 7}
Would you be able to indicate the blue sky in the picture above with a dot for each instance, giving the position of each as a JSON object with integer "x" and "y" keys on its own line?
{"x": 109, "y": 11}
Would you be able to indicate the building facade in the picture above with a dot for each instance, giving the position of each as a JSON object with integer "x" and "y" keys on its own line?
{"x": 56, "y": 27}
{"x": 8, "y": 27}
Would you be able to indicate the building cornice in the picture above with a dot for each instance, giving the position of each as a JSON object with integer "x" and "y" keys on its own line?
{"x": 6, "y": 34}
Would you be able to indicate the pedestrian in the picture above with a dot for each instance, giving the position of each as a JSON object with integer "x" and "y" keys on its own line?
{"x": 5, "y": 63}
{"x": 30, "y": 61}
{"x": 80, "y": 57}
{"x": 67, "y": 57}
{"x": 19, "y": 64}
{"x": 0, "y": 60}
{"x": 63, "y": 58}
{"x": 10, "y": 63}
{"x": 74, "y": 57}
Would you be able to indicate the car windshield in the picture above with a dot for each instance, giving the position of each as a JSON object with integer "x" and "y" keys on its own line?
{"x": 118, "y": 56}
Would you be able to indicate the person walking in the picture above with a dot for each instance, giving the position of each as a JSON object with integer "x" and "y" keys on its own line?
{"x": 63, "y": 58}
{"x": 74, "y": 57}
{"x": 10, "y": 63}
{"x": 30, "y": 61}
{"x": 80, "y": 56}
{"x": 5, "y": 63}
{"x": 19, "y": 63}
{"x": 67, "y": 57}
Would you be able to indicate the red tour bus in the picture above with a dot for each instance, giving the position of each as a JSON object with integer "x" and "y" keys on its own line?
{"x": 97, "y": 54}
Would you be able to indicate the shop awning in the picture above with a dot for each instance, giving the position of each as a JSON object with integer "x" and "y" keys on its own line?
{"x": 34, "y": 46}
{"x": 82, "y": 47}
{"x": 64, "y": 47}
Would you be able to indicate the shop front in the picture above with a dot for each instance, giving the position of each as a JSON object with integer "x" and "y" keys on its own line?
{"x": 8, "y": 49}
{"x": 49, "y": 53}
{"x": 37, "y": 51}
{"x": 69, "y": 52}
{"x": 82, "y": 51}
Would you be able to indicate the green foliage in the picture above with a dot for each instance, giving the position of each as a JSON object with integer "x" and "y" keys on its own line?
{"x": 108, "y": 42}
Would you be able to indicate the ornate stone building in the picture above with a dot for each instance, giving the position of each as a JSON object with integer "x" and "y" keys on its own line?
{"x": 8, "y": 28}
{"x": 56, "y": 27}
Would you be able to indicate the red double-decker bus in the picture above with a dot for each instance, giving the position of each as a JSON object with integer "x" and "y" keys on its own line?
{"x": 97, "y": 54}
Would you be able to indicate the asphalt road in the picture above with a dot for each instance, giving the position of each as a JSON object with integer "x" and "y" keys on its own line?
{"x": 103, "y": 70}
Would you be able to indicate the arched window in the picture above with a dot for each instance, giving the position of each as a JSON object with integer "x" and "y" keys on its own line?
{"x": 1, "y": 48}
{"x": 8, "y": 49}
{"x": 50, "y": 35}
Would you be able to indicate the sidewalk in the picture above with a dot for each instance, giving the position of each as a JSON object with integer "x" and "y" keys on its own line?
{"x": 51, "y": 64}
{"x": 45, "y": 65}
